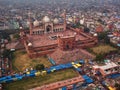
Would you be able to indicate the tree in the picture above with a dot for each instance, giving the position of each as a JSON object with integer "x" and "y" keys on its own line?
{"x": 6, "y": 53}
{"x": 17, "y": 36}
{"x": 99, "y": 57}
{"x": 39, "y": 67}
{"x": 103, "y": 37}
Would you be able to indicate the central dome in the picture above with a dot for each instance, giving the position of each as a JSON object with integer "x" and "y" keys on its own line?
{"x": 36, "y": 23}
{"x": 56, "y": 21}
{"x": 46, "y": 19}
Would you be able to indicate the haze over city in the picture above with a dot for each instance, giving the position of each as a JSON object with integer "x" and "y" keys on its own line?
{"x": 59, "y": 44}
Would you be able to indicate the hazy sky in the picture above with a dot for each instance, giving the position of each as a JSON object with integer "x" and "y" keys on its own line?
{"x": 60, "y": 1}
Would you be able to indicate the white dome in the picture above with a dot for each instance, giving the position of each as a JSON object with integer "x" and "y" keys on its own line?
{"x": 46, "y": 19}
{"x": 36, "y": 23}
{"x": 56, "y": 21}
{"x": 95, "y": 35}
{"x": 82, "y": 21}
{"x": 21, "y": 27}
{"x": 29, "y": 44}
{"x": 28, "y": 23}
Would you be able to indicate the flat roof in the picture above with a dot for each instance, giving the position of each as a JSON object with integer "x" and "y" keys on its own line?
{"x": 107, "y": 66}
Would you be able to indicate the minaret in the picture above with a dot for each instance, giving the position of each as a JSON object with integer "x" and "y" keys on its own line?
{"x": 30, "y": 23}
{"x": 64, "y": 19}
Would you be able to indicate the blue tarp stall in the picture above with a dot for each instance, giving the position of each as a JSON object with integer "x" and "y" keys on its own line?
{"x": 78, "y": 69}
{"x": 62, "y": 66}
{"x": 30, "y": 75}
{"x": 64, "y": 88}
{"x": 68, "y": 65}
{"x": 52, "y": 61}
{"x": 24, "y": 75}
{"x": 15, "y": 75}
{"x": 13, "y": 79}
{"x": 51, "y": 69}
{"x": 33, "y": 71}
{"x": 82, "y": 61}
{"x": 74, "y": 87}
{"x": 59, "y": 67}
{"x": 48, "y": 71}
{"x": 7, "y": 77}
{"x": 19, "y": 78}
{"x": 1, "y": 79}
{"x": 114, "y": 75}
{"x": 9, "y": 80}
{"x": 87, "y": 79}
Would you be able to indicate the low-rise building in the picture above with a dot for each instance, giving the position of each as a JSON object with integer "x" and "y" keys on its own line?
{"x": 107, "y": 69}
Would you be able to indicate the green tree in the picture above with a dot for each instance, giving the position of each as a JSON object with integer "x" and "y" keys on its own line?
{"x": 99, "y": 57}
{"x": 16, "y": 36}
{"x": 6, "y": 53}
{"x": 39, "y": 67}
{"x": 103, "y": 37}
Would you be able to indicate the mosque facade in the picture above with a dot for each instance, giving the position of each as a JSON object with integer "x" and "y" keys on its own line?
{"x": 47, "y": 36}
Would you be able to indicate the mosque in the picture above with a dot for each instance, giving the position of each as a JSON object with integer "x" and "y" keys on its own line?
{"x": 51, "y": 37}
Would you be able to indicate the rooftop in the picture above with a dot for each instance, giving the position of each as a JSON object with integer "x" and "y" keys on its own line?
{"x": 107, "y": 66}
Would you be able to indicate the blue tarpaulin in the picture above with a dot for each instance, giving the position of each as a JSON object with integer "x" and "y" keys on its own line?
{"x": 64, "y": 88}
{"x": 82, "y": 61}
{"x": 78, "y": 69}
{"x": 114, "y": 75}
{"x": 52, "y": 61}
{"x": 32, "y": 73}
{"x": 87, "y": 79}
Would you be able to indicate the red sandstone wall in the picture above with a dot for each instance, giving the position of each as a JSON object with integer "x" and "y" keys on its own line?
{"x": 43, "y": 48}
{"x": 38, "y": 54}
{"x": 63, "y": 42}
